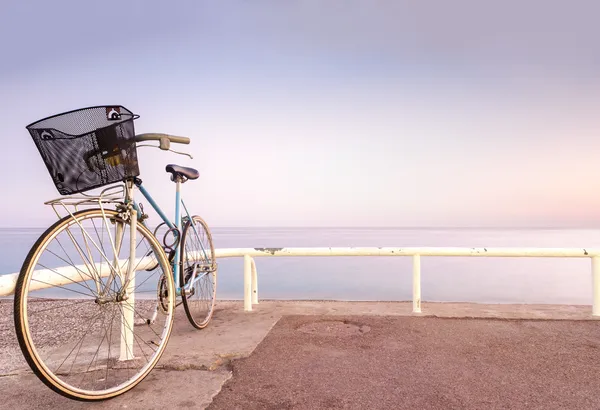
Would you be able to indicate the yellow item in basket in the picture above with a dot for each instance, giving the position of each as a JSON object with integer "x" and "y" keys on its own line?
{"x": 113, "y": 158}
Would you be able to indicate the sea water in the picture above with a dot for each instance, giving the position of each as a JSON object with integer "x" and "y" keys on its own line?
{"x": 465, "y": 279}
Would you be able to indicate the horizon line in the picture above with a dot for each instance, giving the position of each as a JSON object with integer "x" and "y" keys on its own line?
{"x": 404, "y": 227}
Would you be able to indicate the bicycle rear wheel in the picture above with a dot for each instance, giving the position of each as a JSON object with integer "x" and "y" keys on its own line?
{"x": 199, "y": 269}
{"x": 75, "y": 330}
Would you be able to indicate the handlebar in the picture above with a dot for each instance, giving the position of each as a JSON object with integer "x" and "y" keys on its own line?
{"x": 158, "y": 137}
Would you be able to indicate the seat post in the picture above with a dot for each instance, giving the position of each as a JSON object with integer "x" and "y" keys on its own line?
{"x": 176, "y": 262}
{"x": 178, "y": 202}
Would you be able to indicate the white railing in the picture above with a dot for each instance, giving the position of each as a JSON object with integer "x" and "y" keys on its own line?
{"x": 45, "y": 278}
{"x": 251, "y": 276}
{"x": 7, "y": 282}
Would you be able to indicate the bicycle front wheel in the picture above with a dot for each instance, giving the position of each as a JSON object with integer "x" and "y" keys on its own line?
{"x": 198, "y": 273}
{"x": 87, "y": 328}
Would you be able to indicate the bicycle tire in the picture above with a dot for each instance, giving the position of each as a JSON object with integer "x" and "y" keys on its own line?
{"x": 198, "y": 312}
{"x": 111, "y": 368}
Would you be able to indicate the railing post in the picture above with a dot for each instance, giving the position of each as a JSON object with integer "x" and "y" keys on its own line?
{"x": 416, "y": 284}
{"x": 254, "y": 283}
{"x": 247, "y": 283}
{"x": 596, "y": 286}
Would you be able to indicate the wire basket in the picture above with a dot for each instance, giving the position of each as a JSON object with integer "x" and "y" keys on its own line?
{"x": 87, "y": 148}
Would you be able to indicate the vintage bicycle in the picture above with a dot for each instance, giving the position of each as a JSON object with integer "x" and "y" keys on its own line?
{"x": 95, "y": 298}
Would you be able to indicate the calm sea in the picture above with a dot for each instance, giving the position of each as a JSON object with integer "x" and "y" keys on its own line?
{"x": 495, "y": 280}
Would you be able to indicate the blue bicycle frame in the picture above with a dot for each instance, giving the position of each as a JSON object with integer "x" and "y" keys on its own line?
{"x": 176, "y": 265}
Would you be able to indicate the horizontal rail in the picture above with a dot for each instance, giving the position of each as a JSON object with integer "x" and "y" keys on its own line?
{"x": 64, "y": 275}
{"x": 425, "y": 251}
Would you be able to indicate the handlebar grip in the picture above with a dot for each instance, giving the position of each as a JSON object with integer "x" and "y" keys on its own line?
{"x": 157, "y": 137}
{"x": 179, "y": 140}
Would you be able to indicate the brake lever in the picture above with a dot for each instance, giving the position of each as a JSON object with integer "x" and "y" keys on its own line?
{"x": 155, "y": 146}
{"x": 181, "y": 153}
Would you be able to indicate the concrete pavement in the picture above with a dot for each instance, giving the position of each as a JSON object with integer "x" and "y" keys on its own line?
{"x": 197, "y": 363}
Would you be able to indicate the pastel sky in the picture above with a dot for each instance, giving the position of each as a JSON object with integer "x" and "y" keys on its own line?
{"x": 323, "y": 113}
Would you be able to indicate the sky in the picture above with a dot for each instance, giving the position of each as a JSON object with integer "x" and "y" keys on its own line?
{"x": 323, "y": 113}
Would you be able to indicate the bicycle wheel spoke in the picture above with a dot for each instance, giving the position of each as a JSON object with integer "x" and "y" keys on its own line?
{"x": 141, "y": 284}
{"x": 79, "y": 343}
{"x": 75, "y": 359}
{"x": 70, "y": 260}
{"x": 109, "y": 345}
{"x": 83, "y": 280}
{"x": 136, "y": 338}
{"x": 101, "y": 241}
{"x": 70, "y": 305}
{"x": 94, "y": 356}
{"x": 105, "y": 335}
{"x": 144, "y": 319}
{"x": 102, "y": 254}
{"x": 81, "y": 252}
{"x": 61, "y": 287}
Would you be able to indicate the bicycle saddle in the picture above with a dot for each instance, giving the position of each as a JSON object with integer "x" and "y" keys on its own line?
{"x": 178, "y": 171}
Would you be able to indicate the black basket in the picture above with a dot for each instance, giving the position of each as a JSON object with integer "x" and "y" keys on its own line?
{"x": 87, "y": 148}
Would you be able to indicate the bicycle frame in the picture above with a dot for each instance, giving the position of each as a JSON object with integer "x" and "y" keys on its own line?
{"x": 177, "y": 224}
